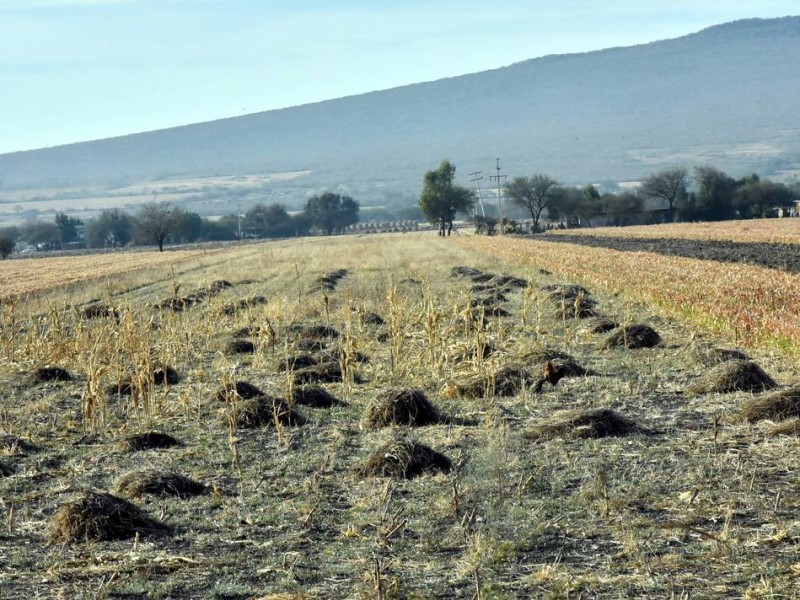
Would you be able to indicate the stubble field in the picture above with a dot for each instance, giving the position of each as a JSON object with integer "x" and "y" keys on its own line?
{"x": 618, "y": 472}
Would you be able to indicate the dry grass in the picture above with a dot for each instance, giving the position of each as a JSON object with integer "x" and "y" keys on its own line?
{"x": 698, "y": 505}
{"x": 760, "y": 230}
{"x": 21, "y": 277}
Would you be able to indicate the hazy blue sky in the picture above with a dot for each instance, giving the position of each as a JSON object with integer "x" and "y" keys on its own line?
{"x": 73, "y": 70}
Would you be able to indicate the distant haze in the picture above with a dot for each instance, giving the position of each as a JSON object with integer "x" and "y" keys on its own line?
{"x": 726, "y": 96}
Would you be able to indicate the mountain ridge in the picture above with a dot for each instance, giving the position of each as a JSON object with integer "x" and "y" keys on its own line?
{"x": 615, "y": 113}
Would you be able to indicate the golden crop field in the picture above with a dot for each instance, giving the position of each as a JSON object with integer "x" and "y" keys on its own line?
{"x": 397, "y": 416}
{"x": 28, "y": 276}
{"x": 786, "y": 231}
{"x": 751, "y": 305}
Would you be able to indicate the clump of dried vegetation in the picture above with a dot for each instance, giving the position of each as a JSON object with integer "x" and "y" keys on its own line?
{"x": 402, "y": 406}
{"x": 98, "y": 516}
{"x": 732, "y": 376}
{"x": 403, "y": 458}
{"x": 157, "y": 483}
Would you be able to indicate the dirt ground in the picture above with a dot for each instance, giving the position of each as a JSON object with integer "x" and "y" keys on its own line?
{"x": 772, "y": 255}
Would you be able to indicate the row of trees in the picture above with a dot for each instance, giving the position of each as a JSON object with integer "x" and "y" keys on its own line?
{"x": 161, "y": 223}
{"x": 708, "y": 194}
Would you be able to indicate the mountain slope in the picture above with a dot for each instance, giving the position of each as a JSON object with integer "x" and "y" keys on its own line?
{"x": 724, "y": 96}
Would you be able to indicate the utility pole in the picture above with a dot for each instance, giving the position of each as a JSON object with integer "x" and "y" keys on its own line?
{"x": 476, "y": 177}
{"x": 499, "y": 177}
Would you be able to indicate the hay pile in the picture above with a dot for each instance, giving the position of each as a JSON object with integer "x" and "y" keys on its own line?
{"x": 464, "y": 272}
{"x": 98, "y": 516}
{"x": 218, "y": 286}
{"x": 329, "y": 281}
{"x": 508, "y": 381}
{"x": 402, "y": 406}
{"x": 732, "y": 376}
{"x": 157, "y": 483}
{"x": 403, "y": 458}
{"x": 581, "y": 307}
{"x": 264, "y": 411}
{"x": 298, "y": 361}
{"x": 165, "y": 375}
{"x": 564, "y": 291}
{"x": 151, "y": 440}
{"x": 778, "y": 406}
{"x": 313, "y": 332}
{"x": 710, "y": 357}
{"x": 99, "y": 311}
{"x": 633, "y": 337}
{"x": 47, "y": 373}
{"x": 240, "y": 346}
{"x": 599, "y": 325}
{"x": 372, "y": 318}
{"x": 598, "y": 423}
{"x": 241, "y": 390}
{"x": 328, "y": 372}
{"x": 124, "y": 387}
{"x": 314, "y": 396}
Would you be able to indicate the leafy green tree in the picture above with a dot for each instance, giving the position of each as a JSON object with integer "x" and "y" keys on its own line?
{"x": 441, "y": 199}
{"x": 154, "y": 222}
{"x": 534, "y": 194}
{"x": 6, "y": 247}
{"x": 716, "y": 194}
{"x": 331, "y": 212}
{"x": 572, "y": 204}
{"x": 67, "y": 227}
{"x": 271, "y": 221}
{"x": 668, "y": 185}
{"x": 111, "y": 228}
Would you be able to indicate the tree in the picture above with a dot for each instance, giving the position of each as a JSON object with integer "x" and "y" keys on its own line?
{"x": 187, "y": 226}
{"x": 716, "y": 194}
{"x": 269, "y": 221}
{"x": 668, "y": 185}
{"x": 331, "y": 212}
{"x": 41, "y": 233}
{"x": 154, "y": 222}
{"x": 10, "y": 232}
{"x": 225, "y": 228}
{"x": 621, "y": 208}
{"x": 756, "y": 198}
{"x": 6, "y": 247}
{"x": 67, "y": 228}
{"x": 111, "y": 228}
{"x": 440, "y": 199}
{"x": 534, "y": 194}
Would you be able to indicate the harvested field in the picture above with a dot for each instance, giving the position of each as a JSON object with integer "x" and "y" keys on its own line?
{"x": 611, "y": 483}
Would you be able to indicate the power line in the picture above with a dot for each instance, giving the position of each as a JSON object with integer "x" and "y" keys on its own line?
{"x": 499, "y": 177}
{"x": 476, "y": 178}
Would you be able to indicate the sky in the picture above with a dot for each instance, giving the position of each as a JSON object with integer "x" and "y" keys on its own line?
{"x": 76, "y": 70}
